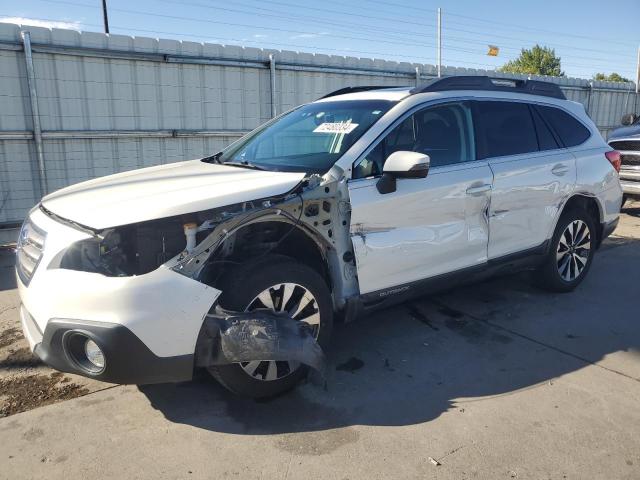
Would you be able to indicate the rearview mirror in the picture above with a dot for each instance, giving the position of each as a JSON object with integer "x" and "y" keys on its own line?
{"x": 628, "y": 119}
{"x": 402, "y": 164}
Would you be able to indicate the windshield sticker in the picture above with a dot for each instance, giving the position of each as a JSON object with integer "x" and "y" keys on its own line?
{"x": 337, "y": 127}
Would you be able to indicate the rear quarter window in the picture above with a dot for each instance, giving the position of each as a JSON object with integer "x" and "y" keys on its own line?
{"x": 570, "y": 130}
{"x": 546, "y": 139}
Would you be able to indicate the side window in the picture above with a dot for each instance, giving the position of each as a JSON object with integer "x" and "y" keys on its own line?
{"x": 443, "y": 132}
{"x": 504, "y": 128}
{"x": 570, "y": 130}
{"x": 546, "y": 139}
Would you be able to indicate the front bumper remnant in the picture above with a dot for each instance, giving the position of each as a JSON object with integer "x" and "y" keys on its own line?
{"x": 128, "y": 359}
{"x": 225, "y": 338}
{"x": 232, "y": 337}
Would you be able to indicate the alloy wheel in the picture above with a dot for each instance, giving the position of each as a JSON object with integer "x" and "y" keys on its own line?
{"x": 572, "y": 254}
{"x": 301, "y": 305}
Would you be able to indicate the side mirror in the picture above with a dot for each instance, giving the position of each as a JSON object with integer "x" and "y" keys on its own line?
{"x": 628, "y": 119}
{"x": 402, "y": 164}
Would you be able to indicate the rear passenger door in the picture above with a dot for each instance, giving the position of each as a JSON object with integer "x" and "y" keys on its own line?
{"x": 533, "y": 174}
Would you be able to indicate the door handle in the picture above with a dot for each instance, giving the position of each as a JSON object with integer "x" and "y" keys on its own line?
{"x": 479, "y": 190}
{"x": 559, "y": 170}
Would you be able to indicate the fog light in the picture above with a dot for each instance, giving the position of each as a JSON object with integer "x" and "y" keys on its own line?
{"x": 94, "y": 354}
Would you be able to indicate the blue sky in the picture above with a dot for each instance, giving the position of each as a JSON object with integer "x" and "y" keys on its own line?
{"x": 590, "y": 36}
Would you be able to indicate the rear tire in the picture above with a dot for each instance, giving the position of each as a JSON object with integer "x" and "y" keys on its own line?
{"x": 570, "y": 254}
{"x": 240, "y": 290}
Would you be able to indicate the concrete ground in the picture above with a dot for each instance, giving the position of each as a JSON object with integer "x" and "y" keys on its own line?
{"x": 494, "y": 380}
{"x": 25, "y": 382}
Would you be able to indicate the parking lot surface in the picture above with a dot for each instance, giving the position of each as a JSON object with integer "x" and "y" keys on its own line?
{"x": 492, "y": 380}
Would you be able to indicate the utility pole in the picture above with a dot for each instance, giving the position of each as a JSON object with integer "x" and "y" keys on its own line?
{"x": 439, "y": 65}
{"x": 638, "y": 73}
{"x": 105, "y": 18}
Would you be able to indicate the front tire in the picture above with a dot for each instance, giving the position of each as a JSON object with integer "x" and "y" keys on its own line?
{"x": 570, "y": 254}
{"x": 281, "y": 284}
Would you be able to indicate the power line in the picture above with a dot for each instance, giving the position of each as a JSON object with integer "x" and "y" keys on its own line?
{"x": 519, "y": 49}
{"x": 523, "y": 27}
{"x": 232, "y": 24}
{"x": 341, "y": 36}
{"x": 219, "y": 38}
{"x": 392, "y": 40}
{"x": 315, "y": 20}
{"x": 473, "y": 42}
{"x": 309, "y": 20}
{"x": 525, "y": 40}
{"x": 401, "y": 41}
{"x": 239, "y": 40}
{"x": 405, "y": 21}
{"x": 324, "y": 10}
{"x": 509, "y": 25}
{"x": 412, "y": 33}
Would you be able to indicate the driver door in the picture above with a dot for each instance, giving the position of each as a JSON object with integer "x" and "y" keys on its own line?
{"x": 427, "y": 226}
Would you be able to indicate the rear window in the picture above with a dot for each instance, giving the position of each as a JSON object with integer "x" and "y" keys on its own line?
{"x": 504, "y": 128}
{"x": 570, "y": 130}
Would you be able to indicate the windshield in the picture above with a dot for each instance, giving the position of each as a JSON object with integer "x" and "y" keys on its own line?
{"x": 308, "y": 139}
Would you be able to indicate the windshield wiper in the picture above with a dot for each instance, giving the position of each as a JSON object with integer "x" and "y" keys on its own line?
{"x": 244, "y": 164}
{"x": 213, "y": 158}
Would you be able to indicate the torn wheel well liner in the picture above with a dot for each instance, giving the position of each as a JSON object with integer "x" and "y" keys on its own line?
{"x": 257, "y": 239}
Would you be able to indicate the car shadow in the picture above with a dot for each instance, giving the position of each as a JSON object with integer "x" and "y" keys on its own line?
{"x": 410, "y": 363}
{"x": 7, "y": 264}
{"x": 632, "y": 208}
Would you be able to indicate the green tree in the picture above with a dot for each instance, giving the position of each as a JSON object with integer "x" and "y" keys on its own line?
{"x": 536, "y": 61}
{"x": 612, "y": 77}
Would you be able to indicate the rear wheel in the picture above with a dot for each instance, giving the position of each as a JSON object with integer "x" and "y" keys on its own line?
{"x": 570, "y": 254}
{"x": 280, "y": 284}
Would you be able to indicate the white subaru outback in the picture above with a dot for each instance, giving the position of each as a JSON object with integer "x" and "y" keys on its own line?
{"x": 238, "y": 262}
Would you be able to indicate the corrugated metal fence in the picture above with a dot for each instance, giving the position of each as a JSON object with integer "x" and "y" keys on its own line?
{"x": 110, "y": 103}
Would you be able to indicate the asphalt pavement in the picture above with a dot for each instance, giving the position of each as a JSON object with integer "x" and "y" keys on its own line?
{"x": 492, "y": 380}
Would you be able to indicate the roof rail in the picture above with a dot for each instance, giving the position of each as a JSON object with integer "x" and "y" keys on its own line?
{"x": 483, "y": 82}
{"x": 364, "y": 88}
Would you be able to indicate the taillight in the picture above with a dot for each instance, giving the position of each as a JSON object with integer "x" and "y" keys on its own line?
{"x": 614, "y": 159}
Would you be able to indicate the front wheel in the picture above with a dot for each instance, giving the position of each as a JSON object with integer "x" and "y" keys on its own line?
{"x": 570, "y": 254}
{"x": 280, "y": 284}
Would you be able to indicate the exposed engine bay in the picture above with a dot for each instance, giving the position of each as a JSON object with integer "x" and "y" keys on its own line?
{"x": 142, "y": 247}
{"x": 310, "y": 222}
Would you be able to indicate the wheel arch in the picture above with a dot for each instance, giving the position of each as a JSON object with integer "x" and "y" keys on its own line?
{"x": 590, "y": 204}
{"x": 279, "y": 236}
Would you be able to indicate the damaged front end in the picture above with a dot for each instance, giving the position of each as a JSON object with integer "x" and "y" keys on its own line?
{"x": 260, "y": 335}
{"x": 308, "y": 223}
{"x": 140, "y": 248}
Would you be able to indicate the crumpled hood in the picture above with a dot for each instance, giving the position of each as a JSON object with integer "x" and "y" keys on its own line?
{"x": 164, "y": 191}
